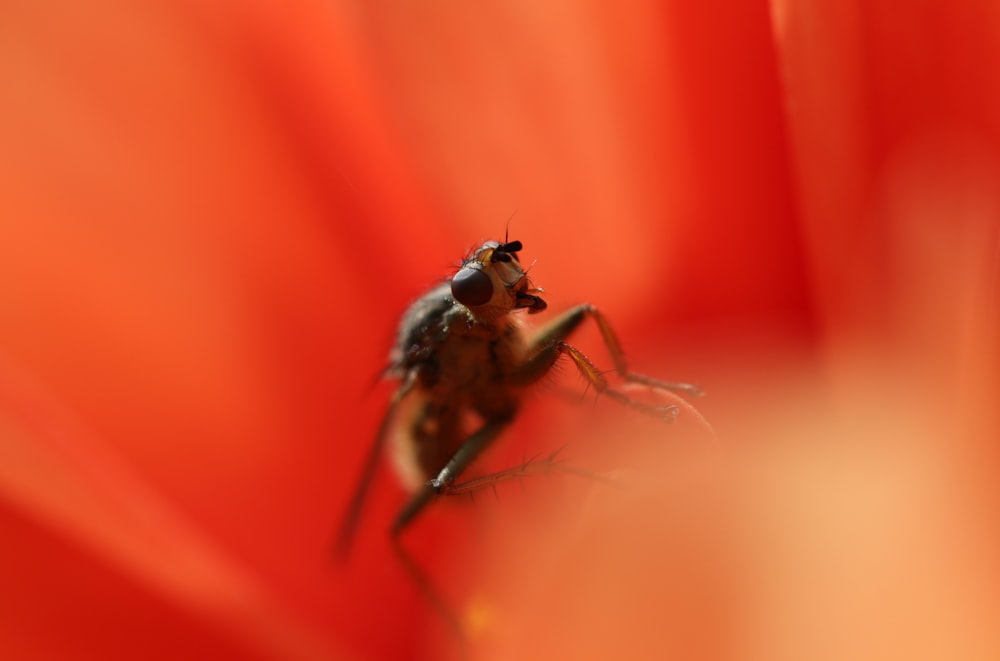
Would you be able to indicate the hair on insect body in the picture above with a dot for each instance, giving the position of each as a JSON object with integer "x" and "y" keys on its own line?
{"x": 462, "y": 354}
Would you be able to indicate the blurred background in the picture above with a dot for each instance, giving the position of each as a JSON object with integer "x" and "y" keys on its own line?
{"x": 213, "y": 214}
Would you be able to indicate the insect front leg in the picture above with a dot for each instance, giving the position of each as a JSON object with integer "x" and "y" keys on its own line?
{"x": 550, "y": 343}
{"x": 466, "y": 454}
{"x": 576, "y": 315}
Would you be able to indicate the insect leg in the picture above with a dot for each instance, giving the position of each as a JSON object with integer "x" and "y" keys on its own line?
{"x": 467, "y": 452}
{"x": 546, "y": 348}
{"x": 429, "y": 592}
{"x": 350, "y": 523}
{"x": 596, "y": 379}
{"x": 618, "y": 357}
{"x": 563, "y": 326}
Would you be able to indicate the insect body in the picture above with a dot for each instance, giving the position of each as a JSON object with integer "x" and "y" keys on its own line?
{"x": 464, "y": 360}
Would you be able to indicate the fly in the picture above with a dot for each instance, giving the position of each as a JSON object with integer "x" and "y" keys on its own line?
{"x": 464, "y": 361}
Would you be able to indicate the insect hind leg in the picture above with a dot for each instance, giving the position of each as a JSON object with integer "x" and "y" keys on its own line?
{"x": 349, "y": 524}
{"x": 428, "y": 590}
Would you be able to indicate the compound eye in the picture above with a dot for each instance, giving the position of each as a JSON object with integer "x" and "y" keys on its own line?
{"x": 471, "y": 287}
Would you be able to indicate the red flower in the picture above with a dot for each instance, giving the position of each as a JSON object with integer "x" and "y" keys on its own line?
{"x": 212, "y": 217}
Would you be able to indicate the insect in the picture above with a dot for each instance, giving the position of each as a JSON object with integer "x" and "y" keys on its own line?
{"x": 464, "y": 360}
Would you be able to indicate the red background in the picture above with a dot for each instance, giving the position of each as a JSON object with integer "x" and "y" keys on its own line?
{"x": 212, "y": 215}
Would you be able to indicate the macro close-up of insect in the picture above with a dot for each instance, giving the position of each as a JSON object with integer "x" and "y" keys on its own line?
{"x": 464, "y": 359}
{"x": 281, "y": 380}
